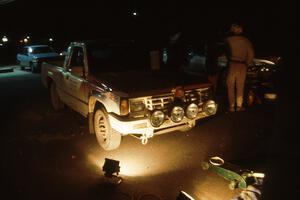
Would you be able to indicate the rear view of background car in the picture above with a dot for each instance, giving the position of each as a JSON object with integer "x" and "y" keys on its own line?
{"x": 33, "y": 56}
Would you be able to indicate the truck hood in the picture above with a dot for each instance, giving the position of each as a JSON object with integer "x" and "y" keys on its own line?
{"x": 144, "y": 83}
{"x": 44, "y": 55}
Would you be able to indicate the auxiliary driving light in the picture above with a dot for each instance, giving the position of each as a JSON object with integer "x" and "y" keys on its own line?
{"x": 192, "y": 111}
{"x": 157, "y": 118}
{"x": 177, "y": 114}
{"x": 210, "y": 107}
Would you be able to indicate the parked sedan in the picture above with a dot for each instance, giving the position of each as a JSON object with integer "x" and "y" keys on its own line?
{"x": 32, "y": 56}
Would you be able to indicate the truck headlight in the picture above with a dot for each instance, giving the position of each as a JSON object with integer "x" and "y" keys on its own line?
{"x": 157, "y": 118}
{"x": 210, "y": 107}
{"x": 136, "y": 106}
{"x": 192, "y": 111}
{"x": 177, "y": 114}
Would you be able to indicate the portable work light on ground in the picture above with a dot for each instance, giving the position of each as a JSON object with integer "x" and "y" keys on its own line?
{"x": 111, "y": 169}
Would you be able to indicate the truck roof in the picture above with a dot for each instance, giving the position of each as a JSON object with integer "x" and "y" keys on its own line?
{"x": 34, "y": 46}
{"x": 112, "y": 42}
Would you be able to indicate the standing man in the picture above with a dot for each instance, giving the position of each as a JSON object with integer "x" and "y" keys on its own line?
{"x": 240, "y": 54}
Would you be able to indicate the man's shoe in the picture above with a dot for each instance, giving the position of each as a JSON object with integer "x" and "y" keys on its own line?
{"x": 240, "y": 109}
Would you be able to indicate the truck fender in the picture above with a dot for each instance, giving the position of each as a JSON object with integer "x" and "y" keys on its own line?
{"x": 93, "y": 103}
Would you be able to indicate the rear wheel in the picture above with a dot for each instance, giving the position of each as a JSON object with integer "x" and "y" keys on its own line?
{"x": 55, "y": 100}
{"x": 32, "y": 68}
{"x": 21, "y": 66}
{"x": 107, "y": 137}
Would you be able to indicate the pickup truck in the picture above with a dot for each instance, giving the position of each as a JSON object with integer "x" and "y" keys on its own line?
{"x": 114, "y": 85}
{"x": 33, "y": 55}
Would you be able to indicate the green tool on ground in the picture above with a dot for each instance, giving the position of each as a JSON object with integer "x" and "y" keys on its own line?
{"x": 237, "y": 176}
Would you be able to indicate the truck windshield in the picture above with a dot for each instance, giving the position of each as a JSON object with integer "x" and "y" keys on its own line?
{"x": 37, "y": 50}
{"x": 116, "y": 58}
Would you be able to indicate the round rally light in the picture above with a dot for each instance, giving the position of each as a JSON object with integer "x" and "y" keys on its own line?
{"x": 157, "y": 118}
{"x": 177, "y": 114}
{"x": 192, "y": 111}
{"x": 210, "y": 107}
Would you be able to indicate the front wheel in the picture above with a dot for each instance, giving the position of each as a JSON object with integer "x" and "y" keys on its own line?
{"x": 107, "y": 137}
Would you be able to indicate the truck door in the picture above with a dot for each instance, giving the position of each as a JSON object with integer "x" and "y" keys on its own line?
{"x": 75, "y": 85}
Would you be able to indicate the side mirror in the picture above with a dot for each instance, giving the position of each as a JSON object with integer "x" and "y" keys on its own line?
{"x": 77, "y": 71}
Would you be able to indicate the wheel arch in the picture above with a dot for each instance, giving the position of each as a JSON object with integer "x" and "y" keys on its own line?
{"x": 95, "y": 103}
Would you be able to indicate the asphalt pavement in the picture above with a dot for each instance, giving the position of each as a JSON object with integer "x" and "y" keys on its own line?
{"x": 51, "y": 155}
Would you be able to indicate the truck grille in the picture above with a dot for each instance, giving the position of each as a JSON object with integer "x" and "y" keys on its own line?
{"x": 159, "y": 102}
{"x": 163, "y": 101}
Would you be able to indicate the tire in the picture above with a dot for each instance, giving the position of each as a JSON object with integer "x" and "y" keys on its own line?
{"x": 107, "y": 137}
{"x": 32, "y": 68}
{"x": 57, "y": 104}
{"x": 21, "y": 66}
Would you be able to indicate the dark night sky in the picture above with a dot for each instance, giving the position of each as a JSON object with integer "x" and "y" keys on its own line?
{"x": 265, "y": 25}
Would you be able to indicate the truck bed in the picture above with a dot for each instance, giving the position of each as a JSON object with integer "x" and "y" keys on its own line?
{"x": 50, "y": 65}
{"x": 59, "y": 62}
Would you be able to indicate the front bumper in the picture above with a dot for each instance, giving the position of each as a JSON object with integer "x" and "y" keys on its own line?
{"x": 144, "y": 127}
